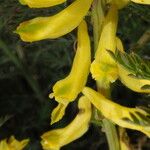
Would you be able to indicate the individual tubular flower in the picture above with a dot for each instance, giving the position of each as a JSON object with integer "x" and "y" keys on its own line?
{"x": 132, "y": 118}
{"x": 41, "y": 3}
{"x": 55, "y": 139}
{"x": 54, "y": 26}
{"x": 13, "y": 144}
{"x": 66, "y": 90}
{"x": 134, "y": 83}
{"x": 104, "y": 68}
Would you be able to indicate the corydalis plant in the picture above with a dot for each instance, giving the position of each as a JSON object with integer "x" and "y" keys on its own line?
{"x": 104, "y": 69}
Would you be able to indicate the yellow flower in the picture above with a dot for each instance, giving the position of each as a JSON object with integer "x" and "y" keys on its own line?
{"x": 54, "y": 26}
{"x": 104, "y": 68}
{"x": 66, "y": 90}
{"x": 60, "y": 24}
{"x": 41, "y": 3}
{"x": 13, "y": 144}
{"x": 132, "y": 118}
{"x": 55, "y": 139}
{"x": 132, "y": 83}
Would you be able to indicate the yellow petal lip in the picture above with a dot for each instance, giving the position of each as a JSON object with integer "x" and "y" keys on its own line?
{"x": 67, "y": 89}
{"x": 147, "y": 2}
{"x": 104, "y": 73}
{"x": 122, "y": 116}
{"x": 41, "y": 3}
{"x": 4, "y": 145}
{"x": 57, "y": 138}
{"x": 13, "y": 144}
{"x": 17, "y": 145}
{"x": 58, "y": 113}
{"x": 54, "y": 26}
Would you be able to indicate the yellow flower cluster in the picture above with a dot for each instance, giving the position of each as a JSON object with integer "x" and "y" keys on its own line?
{"x": 103, "y": 69}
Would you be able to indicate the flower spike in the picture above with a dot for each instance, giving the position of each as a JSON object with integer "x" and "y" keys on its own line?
{"x": 54, "y": 26}
{"x": 132, "y": 118}
{"x": 41, "y": 3}
{"x": 55, "y": 139}
{"x": 67, "y": 90}
{"x": 104, "y": 68}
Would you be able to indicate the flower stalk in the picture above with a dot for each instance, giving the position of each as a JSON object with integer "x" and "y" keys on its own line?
{"x": 98, "y": 14}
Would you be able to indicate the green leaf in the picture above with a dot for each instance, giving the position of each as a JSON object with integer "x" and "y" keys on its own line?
{"x": 138, "y": 67}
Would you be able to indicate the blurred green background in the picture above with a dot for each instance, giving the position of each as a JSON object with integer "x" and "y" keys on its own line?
{"x": 29, "y": 70}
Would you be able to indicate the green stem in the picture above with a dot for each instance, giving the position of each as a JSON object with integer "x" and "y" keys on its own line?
{"x": 108, "y": 126}
{"x": 98, "y": 13}
{"x": 31, "y": 81}
{"x": 111, "y": 134}
{"x": 95, "y": 24}
{"x": 97, "y": 19}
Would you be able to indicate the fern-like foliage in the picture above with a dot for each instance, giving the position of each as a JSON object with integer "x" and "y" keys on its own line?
{"x": 138, "y": 67}
{"x": 4, "y": 119}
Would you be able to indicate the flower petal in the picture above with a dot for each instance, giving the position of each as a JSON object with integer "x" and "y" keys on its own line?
{"x": 58, "y": 113}
{"x": 41, "y": 3}
{"x": 55, "y": 26}
{"x": 141, "y": 1}
{"x": 17, "y": 145}
{"x": 67, "y": 89}
{"x": 13, "y": 144}
{"x": 108, "y": 36}
{"x": 104, "y": 66}
{"x": 104, "y": 73}
{"x": 4, "y": 145}
{"x": 132, "y": 118}
{"x": 57, "y": 138}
